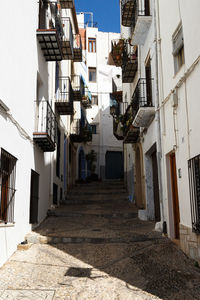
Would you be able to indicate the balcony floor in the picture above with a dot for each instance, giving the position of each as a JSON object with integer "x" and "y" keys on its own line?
{"x": 65, "y": 4}
{"x": 67, "y": 50}
{"x": 141, "y": 30}
{"x": 144, "y": 117}
{"x": 77, "y": 55}
{"x": 44, "y": 141}
{"x": 50, "y": 44}
{"x": 64, "y": 108}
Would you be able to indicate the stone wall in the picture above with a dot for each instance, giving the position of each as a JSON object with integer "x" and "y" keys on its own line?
{"x": 190, "y": 242}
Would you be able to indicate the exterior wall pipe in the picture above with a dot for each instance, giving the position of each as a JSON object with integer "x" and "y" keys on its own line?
{"x": 157, "y": 121}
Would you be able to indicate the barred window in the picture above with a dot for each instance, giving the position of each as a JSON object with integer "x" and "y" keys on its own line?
{"x": 7, "y": 186}
{"x": 194, "y": 184}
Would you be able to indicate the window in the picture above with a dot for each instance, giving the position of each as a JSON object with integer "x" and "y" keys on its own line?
{"x": 93, "y": 129}
{"x": 178, "y": 49}
{"x": 94, "y": 100}
{"x": 194, "y": 184}
{"x": 92, "y": 74}
{"x": 91, "y": 45}
{"x": 7, "y": 186}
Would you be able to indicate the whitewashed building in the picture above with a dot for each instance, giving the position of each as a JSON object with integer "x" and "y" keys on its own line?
{"x": 39, "y": 55}
{"x": 98, "y": 76}
{"x": 179, "y": 55}
{"x": 136, "y": 53}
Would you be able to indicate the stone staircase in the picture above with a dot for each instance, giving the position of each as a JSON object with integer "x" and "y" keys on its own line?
{"x": 97, "y": 213}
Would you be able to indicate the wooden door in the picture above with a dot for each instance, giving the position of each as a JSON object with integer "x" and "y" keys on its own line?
{"x": 148, "y": 83}
{"x": 175, "y": 195}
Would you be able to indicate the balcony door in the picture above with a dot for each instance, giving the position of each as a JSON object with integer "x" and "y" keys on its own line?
{"x": 147, "y": 7}
{"x": 148, "y": 82}
{"x": 43, "y": 6}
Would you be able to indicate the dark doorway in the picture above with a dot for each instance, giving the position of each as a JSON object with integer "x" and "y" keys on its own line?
{"x": 81, "y": 165}
{"x": 55, "y": 194}
{"x": 175, "y": 195}
{"x": 156, "y": 187}
{"x": 34, "y": 197}
{"x": 114, "y": 165}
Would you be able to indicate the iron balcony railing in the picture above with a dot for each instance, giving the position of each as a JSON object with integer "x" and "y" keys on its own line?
{"x": 129, "y": 62}
{"x": 117, "y": 49}
{"x": 7, "y": 186}
{"x": 64, "y": 90}
{"x": 45, "y": 124}
{"x": 194, "y": 186}
{"x": 127, "y": 12}
{"x": 67, "y": 39}
{"x": 50, "y": 32}
{"x": 65, "y": 4}
{"x": 142, "y": 96}
{"x": 77, "y": 48}
{"x": 78, "y": 86}
{"x": 141, "y": 8}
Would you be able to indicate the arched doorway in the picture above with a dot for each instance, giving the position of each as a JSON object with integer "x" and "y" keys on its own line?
{"x": 139, "y": 192}
{"x": 81, "y": 165}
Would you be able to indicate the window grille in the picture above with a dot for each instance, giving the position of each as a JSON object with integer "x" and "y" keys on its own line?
{"x": 194, "y": 185}
{"x": 7, "y": 186}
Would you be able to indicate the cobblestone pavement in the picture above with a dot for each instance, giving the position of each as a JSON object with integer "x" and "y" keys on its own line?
{"x": 97, "y": 249}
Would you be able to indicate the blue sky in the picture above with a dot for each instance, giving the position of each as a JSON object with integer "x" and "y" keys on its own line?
{"x": 105, "y": 12}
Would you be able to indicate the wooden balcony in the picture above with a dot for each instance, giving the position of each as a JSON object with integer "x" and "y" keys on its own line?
{"x": 127, "y": 12}
{"x": 144, "y": 110}
{"x": 45, "y": 126}
{"x": 65, "y": 4}
{"x": 77, "y": 49}
{"x": 64, "y": 97}
{"x": 130, "y": 63}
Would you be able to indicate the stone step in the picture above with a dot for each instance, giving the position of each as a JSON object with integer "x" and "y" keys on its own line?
{"x": 35, "y": 238}
{"x": 97, "y": 192}
{"x": 93, "y": 202}
{"x": 56, "y": 213}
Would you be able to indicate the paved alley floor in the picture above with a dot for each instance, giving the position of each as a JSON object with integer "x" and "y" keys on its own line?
{"x": 94, "y": 247}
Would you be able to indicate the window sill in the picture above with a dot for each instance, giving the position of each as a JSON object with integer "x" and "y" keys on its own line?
{"x": 2, "y": 225}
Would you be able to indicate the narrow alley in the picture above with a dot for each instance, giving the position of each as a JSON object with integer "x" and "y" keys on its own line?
{"x": 93, "y": 247}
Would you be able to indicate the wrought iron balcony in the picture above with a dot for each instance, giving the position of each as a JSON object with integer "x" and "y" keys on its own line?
{"x": 131, "y": 133}
{"x": 80, "y": 131}
{"x": 64, "y": 97}
{"x": 118, "y": 110}
{"x": 67, "y": 3}
{"x": 117, "y": 49}
{"x": 143, "y": 109}
{"x": 127, "y": 12}
{"x": 87, "y": 98}
{"x": 78, "y": 87}
{"x": 78, "y": 49}
{"x": 130, "y": 63}
{"x": 50, "y": 32}
{"x": 45, "y": 126}
{"x": 67, "y": 39}
{"x": 141, "y": 21}
{"x": 117, "y": 88}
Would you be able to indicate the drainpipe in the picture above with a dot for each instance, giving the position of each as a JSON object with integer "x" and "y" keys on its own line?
{"x": 157, "y": 119}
